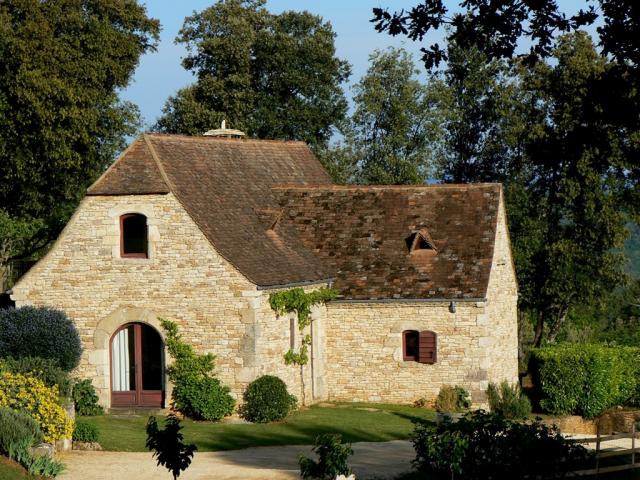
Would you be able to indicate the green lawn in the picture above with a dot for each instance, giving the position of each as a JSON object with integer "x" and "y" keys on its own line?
{"x": 356, "y": 423}
{"x": 10, "y": 470}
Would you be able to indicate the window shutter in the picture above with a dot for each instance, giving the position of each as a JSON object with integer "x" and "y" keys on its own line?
{"x": 428, "y": 347}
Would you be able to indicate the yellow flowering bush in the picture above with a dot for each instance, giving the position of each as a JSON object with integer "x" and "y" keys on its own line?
{"x": 29, "y": 394}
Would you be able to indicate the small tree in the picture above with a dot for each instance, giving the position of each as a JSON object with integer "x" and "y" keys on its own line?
{"x": 167, "y": 445}
{"x": 332, "y": 458}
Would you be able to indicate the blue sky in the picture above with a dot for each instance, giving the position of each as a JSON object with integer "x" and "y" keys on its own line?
{"x": 160, "y": 74}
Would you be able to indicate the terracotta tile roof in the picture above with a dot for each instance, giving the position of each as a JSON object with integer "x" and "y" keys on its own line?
{"x": 364, "y": 235}
{"x": 270, "y": 209}
{"x": 225, "y": 186}
{"x": 135, "y": 172}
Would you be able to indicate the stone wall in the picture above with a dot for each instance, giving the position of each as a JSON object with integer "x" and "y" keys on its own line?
{"x": 476, "y": 344}
{"x": 184, "y": 279}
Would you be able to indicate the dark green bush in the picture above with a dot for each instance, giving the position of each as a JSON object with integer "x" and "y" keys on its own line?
{"x": 266, "y": 399}
{"x": 197, "y": 393}
{"x": 85, "y": 432}
{"x": 86, "y": 399}
{"x": 481, "y": 446}
{"x": 17, "y": 427}
{"x": 39, "y": 332}
{"x": 585, "y": 379}
{"x": 44, "y": 369}
{"x": 508, "y": 401}
{"x": 333, "y": 456}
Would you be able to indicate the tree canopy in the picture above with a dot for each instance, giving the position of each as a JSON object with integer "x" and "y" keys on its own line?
{"x": 272, "y": 76}
{"x": 61, "y": 122}
{"x": 386, "y": 137}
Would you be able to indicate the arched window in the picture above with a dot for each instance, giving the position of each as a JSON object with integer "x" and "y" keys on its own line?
{"x": 133, "y": 236}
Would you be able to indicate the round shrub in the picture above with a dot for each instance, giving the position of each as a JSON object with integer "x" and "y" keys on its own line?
{"x": 452, "y": 399}
{"x": 39, "y": 332}
{"x": 44, "y": 369}
{"x": 30, "y": 395}
{"x": 85, "y": 432}
{"x": 17, "y": 428}
{"x": 266, "y": 400}
{"x": 203, "y": 398}
{"x": 86, "y": 399}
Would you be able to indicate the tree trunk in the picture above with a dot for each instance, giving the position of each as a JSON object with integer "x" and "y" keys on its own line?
{"x": 557, "y": 325}
{"x": 304, "y": 399}
{"x": 537, "y": 339}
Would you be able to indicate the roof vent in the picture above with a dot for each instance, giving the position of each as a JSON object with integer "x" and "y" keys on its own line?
{"x": 223, "y": 131}
{"x": 420, "y": 240}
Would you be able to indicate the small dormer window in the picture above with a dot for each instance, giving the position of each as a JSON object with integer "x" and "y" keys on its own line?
{"x": 420, "y": 241}
{"x": 133, "y": 236}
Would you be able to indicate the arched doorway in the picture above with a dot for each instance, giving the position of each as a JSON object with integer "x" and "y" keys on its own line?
{"x": 137, "y": 366}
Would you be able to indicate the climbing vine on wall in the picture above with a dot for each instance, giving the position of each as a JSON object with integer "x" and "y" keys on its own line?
{"x": 298, "y": 301}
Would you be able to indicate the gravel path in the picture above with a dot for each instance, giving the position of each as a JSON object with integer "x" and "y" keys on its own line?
{"x": 370, "y": 460}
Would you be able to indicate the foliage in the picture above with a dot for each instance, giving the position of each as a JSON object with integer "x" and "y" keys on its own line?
{"x": 452, "y": 399}
{"x": 167, "y": 445}
{"x": 16, "y": 426}
{"x": 197, "y": 393}
{"x": 272, "y": 76}
{"x": 266, "y": 399}
{"x": 508, "y": 400}
{"x": 45, "y": 369}
{"x": 86, "y": 399}
{"x": 386, "y": 142}
{"x": 40, "y": 465}
{"x": 298, "y": 301}
{"x": 60, "y": 127}
{"x": 39, "y": 332}
{"x": 85, "y": 432}
{"x": 30, "y": 395}
{"x": 332, "y": 461}
{"x": 484, "y": 24}
{"x": 482, "y": 445}
{"x": 586, "y": 379}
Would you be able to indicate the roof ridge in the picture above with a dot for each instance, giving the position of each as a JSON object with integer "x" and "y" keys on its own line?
{"x": 388, "y": 187}
{"x": 156, "y": 159}
{"x": 196, "y": 138}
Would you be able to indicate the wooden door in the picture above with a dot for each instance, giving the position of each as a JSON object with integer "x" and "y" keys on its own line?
{"x": 137, "y": 367}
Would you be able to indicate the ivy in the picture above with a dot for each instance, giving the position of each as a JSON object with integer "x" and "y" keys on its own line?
{"x": 298, "y": 301}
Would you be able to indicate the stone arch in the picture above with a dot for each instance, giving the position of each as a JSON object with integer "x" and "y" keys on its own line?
{"x": 99, "y": 357}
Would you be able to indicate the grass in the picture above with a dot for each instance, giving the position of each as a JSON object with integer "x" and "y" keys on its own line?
{"x": 10, "y": 470}
{"x": 356, "y": 423}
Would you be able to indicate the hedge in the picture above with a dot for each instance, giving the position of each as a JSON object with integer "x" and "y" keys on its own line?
{"x": 586, "y": 379}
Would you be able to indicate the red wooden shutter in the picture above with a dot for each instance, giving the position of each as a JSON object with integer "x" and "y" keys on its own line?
{"x": 428, "y": 347}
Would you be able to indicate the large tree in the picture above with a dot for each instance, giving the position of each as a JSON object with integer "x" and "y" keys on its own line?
{"x": 61, "y": 122}
{"x": 273, "y": 76}
{"x": 387, "y": 135}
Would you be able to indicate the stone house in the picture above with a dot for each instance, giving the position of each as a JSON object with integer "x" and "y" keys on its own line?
{"x": 200, "y": 230}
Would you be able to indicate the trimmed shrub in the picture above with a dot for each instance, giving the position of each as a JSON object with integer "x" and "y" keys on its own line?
{"x": 30, "y": 395}
{"x": 39, "y": 332}
{"x": 45, "y": 369}
{"x": 585, "y": 379}
{"x": 266, "y": 399}
{"x": 16, "y": 427}
{"x": 508, "y": 400}
{"x": 452, "y": 399}
{"x": 197, "y": 393}
{"x": 86, "y": 399}
{"x": 333, "y": 456}
{"x": 481, "y": 446}
{"x": 85, "y": 432}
